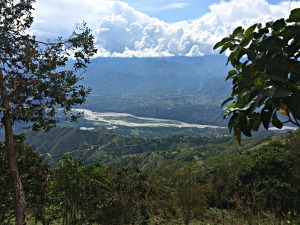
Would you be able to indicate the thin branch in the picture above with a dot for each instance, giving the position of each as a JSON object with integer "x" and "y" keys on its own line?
{"x": 295, "y": 121}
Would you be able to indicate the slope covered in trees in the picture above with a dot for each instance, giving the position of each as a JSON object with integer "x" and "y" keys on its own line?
{"x": 104, "y": 146}
{"x": 109, "y": 147}
{"x": 257, "y": 184}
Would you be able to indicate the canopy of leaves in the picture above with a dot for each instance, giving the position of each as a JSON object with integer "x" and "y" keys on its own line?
{"x": 37, "y": 77}
{"x": 78, "y": 192}
{"x": 36, "y": 175}
{"x": 266, "y": 75}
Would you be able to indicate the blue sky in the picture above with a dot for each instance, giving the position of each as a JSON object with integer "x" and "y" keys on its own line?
{"x": 140, "y": 28}
{"x": 174, "y": 11}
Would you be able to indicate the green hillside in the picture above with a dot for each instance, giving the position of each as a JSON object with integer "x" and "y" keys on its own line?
{"x": 98, "y": 146}
{"x": 214, "y": 178}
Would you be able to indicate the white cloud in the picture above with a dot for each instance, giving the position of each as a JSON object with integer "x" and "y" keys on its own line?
{"x": 176, "y": 5}
{"x": 56, "y": 17}
{"x": 122, "y": 31}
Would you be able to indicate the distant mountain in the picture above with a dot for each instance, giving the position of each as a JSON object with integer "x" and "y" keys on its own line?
{"x": 155, "y": 77}
{"x": 189, "y": 89}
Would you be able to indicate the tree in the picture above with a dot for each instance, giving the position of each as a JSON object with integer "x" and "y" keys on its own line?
{"x": 36, "y": 175}
{"x": 190, "y": 194}
{"x": 34, "y": 80}
{"x": 79, "y": 192}
{"x": 266, "y": 184}
{"x": 129, "y": 191}
{"x": 266, "y": 75}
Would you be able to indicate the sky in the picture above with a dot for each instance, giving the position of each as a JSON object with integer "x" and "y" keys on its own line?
{"x": 151, "y": 28}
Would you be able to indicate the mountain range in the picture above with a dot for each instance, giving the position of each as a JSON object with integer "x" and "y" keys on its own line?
{"x": 188, "y": 89}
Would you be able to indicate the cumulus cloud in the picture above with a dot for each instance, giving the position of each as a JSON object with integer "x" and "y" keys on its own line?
{"x": 56, "y": 17}
{"x": 121, "y": 31}
{"x": 131, "y": 33}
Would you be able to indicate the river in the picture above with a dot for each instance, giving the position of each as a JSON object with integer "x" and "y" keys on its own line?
{"x": 125, "y": 119}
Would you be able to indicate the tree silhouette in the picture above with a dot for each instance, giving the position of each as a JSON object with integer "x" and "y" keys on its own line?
{"x": 35, "y": 80}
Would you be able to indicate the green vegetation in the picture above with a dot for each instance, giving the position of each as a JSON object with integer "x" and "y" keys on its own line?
{"x": 266, "y": 75}
{"x": 108, "y": 147}
{"x": 100, "y": 177}
{"x": 35, "y": 174}
{"x": 254, "y": 184}
{"x": 34, "y": 80}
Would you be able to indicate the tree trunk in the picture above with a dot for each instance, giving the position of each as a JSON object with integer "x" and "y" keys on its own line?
{"x": 11, "y": 157}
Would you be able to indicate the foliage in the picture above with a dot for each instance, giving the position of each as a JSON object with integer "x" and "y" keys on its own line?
{"x": 37, "y": 76}
{"x": 220, "y": 175}
{"x": 104, "y": 146}
{"x": 35, "y": 80}
{"x": 190, "y": 194}
{"x": 293, "y": 144}
{"x": 79, "y": 192}
{"x": 129, "y": 190}
{"x": 259, "y": 186}
{"x": 266, "y": 75}
{"x": 36, "y": 175}
{"x": 265, "y": 185}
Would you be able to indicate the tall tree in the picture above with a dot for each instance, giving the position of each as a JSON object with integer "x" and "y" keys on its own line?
{"x": 266, "y": 75}
{"x": 34, "y": 80}
{"x": 35, "y": 173}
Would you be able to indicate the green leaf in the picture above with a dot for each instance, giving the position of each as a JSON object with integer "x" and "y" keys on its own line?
{"x": 231, "y": 73}
{"x": 266, "y": 115}
{"x": 237, "y": 134}
{"x": 221, "y": 43}
{"x": 243, "y": 124}
{"x": 225, "y": 47}
{"x": 276, "y": 73}
{"x": 237, "y": 31}
{"x": 281, "y": 92}
{"x": 234, "y": 47}
{"x": 227, "y": 100}
{"x": 273, "y": 43}
{"x": 275, "y": 121}
{"x": 232, "y": 105}
{"x": 247, "y": 40}
{"x": 269, "y": 24}
{"x": 218, "y": 45}
{"x": 294, "y": 16}
{"x": 261, "y": 33}
{"x": 256, "y": 121}
{"x": 259, "y": 25}
{"x": 232, "y": 121}
{"x": 267, "y": 91}
{"x": 290, "y": 32}
{"x": 260, "y": 81}
{"x": 278, "y": 25}
{"x": 296, "y": 69}
{"x": 246, "y": 95}
{"x": 231, "y": 57}
{"x": 293, "y": 104}
{"x": 250, "y": 30}
{"x": 240, "y": 105}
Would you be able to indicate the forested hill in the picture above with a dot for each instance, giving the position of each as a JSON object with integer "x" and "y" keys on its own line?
{"x": 108, "y": 147}
{"x": 156, "y": 77}
{"x": 188, "y": 89}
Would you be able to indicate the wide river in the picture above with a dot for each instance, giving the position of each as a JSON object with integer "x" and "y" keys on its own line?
{"x": 125, "y": 119}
